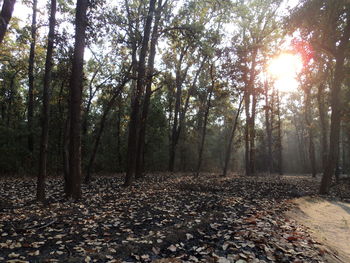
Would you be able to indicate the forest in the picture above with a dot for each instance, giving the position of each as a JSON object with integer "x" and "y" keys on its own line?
{"x": 174, "y": 130}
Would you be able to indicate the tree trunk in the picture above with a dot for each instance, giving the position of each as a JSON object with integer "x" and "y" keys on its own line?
{"x": 268, "y": 128}
{"x": 100, "y": 130}
{"x": 146, "y": 102}
{"x": 31, "y": 84}
{"x": 178, "y": 115}
{"x": 308, "y": 119}
{"x": 65, "y": 154}
{"x": 73, "y": 189}
{"x": 135, "y": 107}
{"x": 279, "y": 137}
{"x": 250, "y": 118}
{"x": 323, "y": 123}
{"x": 247, "y": 133}
{"x": 46, "y": 106}
{"x": 5, "y": 17}
{"x": 252, "y": 134}
{"x": 232, "y": 135}
{"x": 336, "y": 110}
{"x": 98, "y": 138}
{"x": 119, "y": 120}
{"x": 206, "y": 115}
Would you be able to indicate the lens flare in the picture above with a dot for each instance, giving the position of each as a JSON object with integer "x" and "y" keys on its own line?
{"x": 284, "y": 70}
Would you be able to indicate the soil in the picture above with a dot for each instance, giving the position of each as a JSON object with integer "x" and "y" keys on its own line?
{"x": 328, "y": 222}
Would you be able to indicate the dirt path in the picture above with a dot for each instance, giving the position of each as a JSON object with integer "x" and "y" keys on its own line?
{"x": 329, "y": 222}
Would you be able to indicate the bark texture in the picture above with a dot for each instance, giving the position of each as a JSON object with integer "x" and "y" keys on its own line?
{"x": 73, "y": 183}
{"x": 5, "y": 17}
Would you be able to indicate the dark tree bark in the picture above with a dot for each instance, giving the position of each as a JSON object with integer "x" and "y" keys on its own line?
{"x": 5, "y": 17}
{"x": 308, "y": 120}
{"x": 135, "y": 107}
{"x": 232, "y": 135}
{"x": 147, "y": 98}
{"x": 336, "y": 109}
{"x": 73, "y": 184}
{"x": 46, "y": 106}
{"x": 31, "y": 83}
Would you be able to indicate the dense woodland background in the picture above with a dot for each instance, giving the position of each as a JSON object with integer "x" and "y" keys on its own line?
{"x": 172, "y": 85}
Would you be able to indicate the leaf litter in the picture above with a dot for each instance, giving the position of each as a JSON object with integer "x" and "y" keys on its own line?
{"x": 164, "y": 218}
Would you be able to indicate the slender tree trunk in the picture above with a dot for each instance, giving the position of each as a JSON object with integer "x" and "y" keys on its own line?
{"x": 206, "y": 115}
{"x": 247, "y": 133}
{"x": 65, "y": 154}
{"x": 250, "y": 118}
{"x": 73, "y": 189}
{"x": 11, "y": 97}
{"x": 232, "y": 135}
{"x": 5, "y": 17}
{"x": 135, "y": 109}
{"x": 176, "y": 128}
{"x": 309, "y": 123}
{"x": 279, "y": 137}
{"x": 61, "y": 134}
{"x": 119, "y": 120}
{"x": 46, "y": 106}
{"x": 300, "y": 135}
{"x": 268, "y": 128}
{"x": 336, "y": 110}
{"x": 146, "y": 102}
{"x": 31, "y": 84}
{"x": 97, "y": 140}
{"x": 323, "y": 123}
{"x": 100, "y": 129}
{"x": 252, "y": 134}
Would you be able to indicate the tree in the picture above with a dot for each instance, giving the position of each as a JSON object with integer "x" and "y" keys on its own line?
{"x": 231, "y": 138}
{"x": 46, "y": 105}
{"x": 30, "y": 113}
{"x": 147, "y": 97}
{"x": 336, "y": 107}
{"x": 134, "y": 123}
{"x": 5, "y": 16}
{"x": 73, "y": 183}
{"x": 206, "y": 115}
{"x": 258, "y": 27}
{"x": 329, "y": 28}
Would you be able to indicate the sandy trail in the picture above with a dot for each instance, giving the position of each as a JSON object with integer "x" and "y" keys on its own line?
{"x": 329, "y": 222}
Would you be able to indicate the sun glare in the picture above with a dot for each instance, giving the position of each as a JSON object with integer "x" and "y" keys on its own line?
{"x": 284, "y": 69}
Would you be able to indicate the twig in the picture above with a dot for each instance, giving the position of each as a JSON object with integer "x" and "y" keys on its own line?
{"x": 39, "y": 227}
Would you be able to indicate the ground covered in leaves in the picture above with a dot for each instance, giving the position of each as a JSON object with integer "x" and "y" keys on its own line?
{"x": 164, "y": 218}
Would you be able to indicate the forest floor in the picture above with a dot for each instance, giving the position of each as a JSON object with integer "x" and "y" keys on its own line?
{"x": 165, "y": 218}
